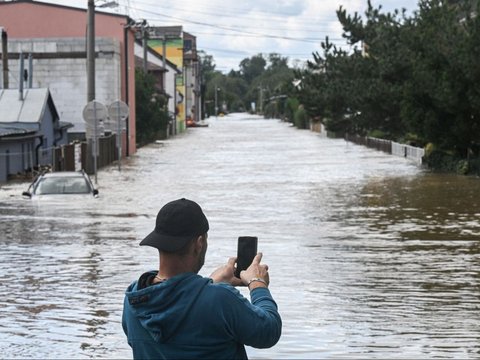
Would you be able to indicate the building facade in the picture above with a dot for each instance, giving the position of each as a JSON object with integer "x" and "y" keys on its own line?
{"x": 56, "y": 37}
{"x": 30, "y": 130}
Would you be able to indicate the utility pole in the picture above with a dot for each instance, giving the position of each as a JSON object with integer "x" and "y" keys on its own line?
{"x": 91, "y": 51}
{"x": 164, "y": 64}
{"x": 4, "y": 57}
{"x": 145, "y": 46}
{"x": 216, "y": 106}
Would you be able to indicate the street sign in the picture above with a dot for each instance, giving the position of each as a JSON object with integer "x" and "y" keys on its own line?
{"x": 118, "y": 112}
{"x": 94, "y": 112}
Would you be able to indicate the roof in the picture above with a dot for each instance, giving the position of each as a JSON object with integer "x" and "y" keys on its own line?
{"x": 17, "y": 129}
{"x": 29, "y": 110}
{"x": 41, "y": 3}
{"x": 65, "y": 125}
{"x": 62, "y": 174}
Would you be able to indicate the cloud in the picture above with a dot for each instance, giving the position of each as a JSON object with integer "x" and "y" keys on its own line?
{"x": 231, "y": 30}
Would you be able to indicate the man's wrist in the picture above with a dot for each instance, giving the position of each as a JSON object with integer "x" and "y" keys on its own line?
{"x": 256, "y": 283}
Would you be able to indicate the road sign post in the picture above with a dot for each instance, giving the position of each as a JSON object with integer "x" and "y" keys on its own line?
{"x": 93, "y": 113}
{"x": 118, "y": 112}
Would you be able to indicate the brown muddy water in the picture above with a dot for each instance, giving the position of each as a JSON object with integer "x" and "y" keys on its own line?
{"x": 370, "y": 256}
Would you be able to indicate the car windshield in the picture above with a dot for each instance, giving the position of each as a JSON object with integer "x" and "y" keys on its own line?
{"x": 59, "y": 185}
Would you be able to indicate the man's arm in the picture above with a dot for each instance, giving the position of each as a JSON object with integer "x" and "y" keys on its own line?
{"x": 258, "y": 323}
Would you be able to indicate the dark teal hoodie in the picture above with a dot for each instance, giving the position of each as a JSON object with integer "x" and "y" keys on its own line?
{"x": 190, "y": 317}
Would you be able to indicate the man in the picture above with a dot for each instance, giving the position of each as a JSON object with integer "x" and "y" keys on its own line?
{"x": 176, "y": 313}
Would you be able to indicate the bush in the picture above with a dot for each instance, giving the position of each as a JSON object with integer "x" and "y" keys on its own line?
{"x": 152, "y": 117}
{"x": 301, "y": 118}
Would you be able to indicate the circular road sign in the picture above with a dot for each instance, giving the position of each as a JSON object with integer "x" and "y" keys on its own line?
{"x": 118, "y": 110}
{"x": 94, "y": 111}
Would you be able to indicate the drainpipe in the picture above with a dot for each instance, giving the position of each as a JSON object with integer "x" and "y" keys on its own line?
{"x": 4, "y": 57}
{"x": 125, "y": 41}
{"x": 30, "y": 70}
{"x": 37, "y": 149}
{"x": 20, "y": 82}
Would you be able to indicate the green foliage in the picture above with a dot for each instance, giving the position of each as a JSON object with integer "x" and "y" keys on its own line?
{"x": 377, "y": 134}
{"x": 151, "y": 114}
{"x": 301, "y": 120}
{"x": 291, "y": 105}
{"x": 263, "y": 80}
{"x": 410, "y": 78}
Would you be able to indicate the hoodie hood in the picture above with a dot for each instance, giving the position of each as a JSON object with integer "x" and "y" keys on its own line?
{"x": 161, "y": 308}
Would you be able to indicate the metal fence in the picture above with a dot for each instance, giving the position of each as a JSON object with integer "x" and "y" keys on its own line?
{"x": 410, "y": 152}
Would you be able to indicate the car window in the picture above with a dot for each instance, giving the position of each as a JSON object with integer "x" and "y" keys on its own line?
{"x": 73, "y": 185}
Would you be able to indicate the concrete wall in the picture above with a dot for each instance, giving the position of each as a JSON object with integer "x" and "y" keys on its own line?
{"x": 60, "y": 65}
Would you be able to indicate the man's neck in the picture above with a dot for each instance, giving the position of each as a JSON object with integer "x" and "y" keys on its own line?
{"x": 171, "y": 265}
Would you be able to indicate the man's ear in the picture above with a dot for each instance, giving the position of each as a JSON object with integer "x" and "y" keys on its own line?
{"x": 198, "y": 245}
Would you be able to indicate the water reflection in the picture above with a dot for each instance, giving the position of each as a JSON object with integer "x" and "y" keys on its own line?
{"x": 427, "y": 207}
{"x": 369, "y": 255}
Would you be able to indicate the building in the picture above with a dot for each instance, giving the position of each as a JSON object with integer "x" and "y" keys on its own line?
{"x": 55, "y": 35}
{"x": 163, "y": 70}
{"x": 181, "y": 49}
{"x": 30, "y": 129}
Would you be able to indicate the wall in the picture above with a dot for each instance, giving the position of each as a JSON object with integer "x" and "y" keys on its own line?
{"x": 27, "y": 20}
{"x": 174, "y": 50}
{"x": 21, "y": 156}
{"x": 59, "y": 64}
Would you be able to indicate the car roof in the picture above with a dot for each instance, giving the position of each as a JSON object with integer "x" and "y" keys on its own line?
{"x": 64, "y": 174}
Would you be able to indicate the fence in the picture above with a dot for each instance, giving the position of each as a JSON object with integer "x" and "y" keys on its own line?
{"x": 71, "y": 157}
{"x": 410, "y": 152}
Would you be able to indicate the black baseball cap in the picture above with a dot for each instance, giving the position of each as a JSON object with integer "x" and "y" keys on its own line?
{"x": 178, "y": 222}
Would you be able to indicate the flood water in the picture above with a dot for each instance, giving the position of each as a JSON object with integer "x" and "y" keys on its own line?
{"x": 369, "y": 256}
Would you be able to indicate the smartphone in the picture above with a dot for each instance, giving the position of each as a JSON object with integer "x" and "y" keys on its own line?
{"x": 246, "y": 251}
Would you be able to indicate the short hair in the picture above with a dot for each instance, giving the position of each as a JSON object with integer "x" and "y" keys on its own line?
{"x": 186, "y": 248}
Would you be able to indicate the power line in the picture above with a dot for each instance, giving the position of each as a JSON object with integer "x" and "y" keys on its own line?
{"x": 269, "y": 15}
{"x": 270, "y": 36}
{"x": 260, "y": 36}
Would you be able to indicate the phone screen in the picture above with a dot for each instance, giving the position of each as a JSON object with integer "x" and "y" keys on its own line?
{"x": 246, "y": 251}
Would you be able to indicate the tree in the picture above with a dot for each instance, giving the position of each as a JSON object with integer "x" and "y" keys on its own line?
{"x": 252, "y": 68}
{"x": 442, "y": 97}
{"x": 152, "y": 117}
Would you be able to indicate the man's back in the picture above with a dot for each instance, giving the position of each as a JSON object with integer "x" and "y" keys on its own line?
{"x": 188, "y": 316}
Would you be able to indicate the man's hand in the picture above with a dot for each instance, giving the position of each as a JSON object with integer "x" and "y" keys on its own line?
{"x": 226, "y": 274}
{"x": 256, "y": 271}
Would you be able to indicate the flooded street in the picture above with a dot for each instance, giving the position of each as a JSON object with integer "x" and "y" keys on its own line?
{"x": 369, "y": 255}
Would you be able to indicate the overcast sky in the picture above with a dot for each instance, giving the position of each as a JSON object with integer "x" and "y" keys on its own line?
{"x": 232, "y": 30}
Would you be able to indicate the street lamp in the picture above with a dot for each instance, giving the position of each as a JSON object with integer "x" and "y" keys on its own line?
{"x": 216, "y": 102}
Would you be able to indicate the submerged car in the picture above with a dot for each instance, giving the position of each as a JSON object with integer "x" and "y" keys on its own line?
{"x": 61, "y": 183}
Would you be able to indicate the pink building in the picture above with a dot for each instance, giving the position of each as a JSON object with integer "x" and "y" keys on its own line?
{"x": 58, "y": 33}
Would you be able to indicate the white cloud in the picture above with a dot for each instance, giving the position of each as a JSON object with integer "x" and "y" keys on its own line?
{"x": 254, "y": 21}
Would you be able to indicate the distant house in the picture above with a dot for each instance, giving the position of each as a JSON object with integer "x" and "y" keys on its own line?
{"x": 165, "y": 78}
{"x": 181, "y": 49}
{"x": 29, "y": 130}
